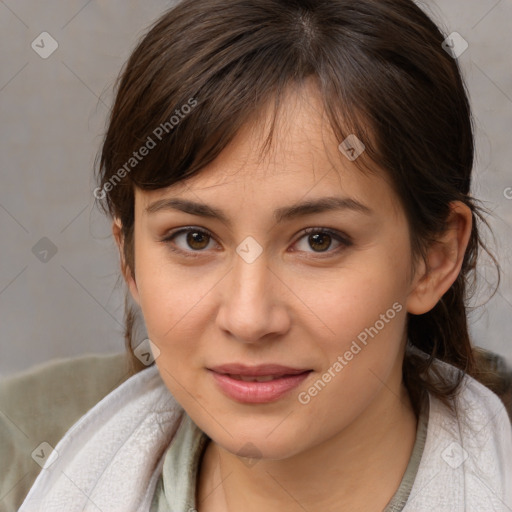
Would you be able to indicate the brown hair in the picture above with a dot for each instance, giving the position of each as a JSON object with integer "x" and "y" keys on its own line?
{"x": 383, "y": 75}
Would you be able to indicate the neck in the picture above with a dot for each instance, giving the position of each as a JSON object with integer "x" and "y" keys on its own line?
{"x": 371, "y": 453}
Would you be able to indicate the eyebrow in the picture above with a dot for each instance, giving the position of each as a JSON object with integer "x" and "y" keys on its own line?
{"x": 323, "y": 204}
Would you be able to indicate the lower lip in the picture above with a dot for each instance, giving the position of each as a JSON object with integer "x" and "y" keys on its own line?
{"x": 257, "y": 392}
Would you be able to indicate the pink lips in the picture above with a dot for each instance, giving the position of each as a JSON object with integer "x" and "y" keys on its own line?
{"x": 284, "y": 379}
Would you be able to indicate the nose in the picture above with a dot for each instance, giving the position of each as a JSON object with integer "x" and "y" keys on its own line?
{"x": 253, "y": 307}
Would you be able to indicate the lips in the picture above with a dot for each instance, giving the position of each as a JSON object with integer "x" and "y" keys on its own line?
{"x": 257, "y": 384}
{"x": 250, "y": 378}
{"x": 275, "y": 370}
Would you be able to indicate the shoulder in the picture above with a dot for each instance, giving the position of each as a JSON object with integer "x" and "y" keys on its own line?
{"x": 481, "y": 404}
{"x": 484, "y": 425}
{"x": 478, "y": 410}
{"x": 39, "y": 405}
{"x": 467, "y": 459}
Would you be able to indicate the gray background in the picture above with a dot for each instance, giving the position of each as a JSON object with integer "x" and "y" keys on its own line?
{"x": 53, "y": 115}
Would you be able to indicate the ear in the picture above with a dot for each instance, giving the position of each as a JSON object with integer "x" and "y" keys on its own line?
{"x": 444, "y": 261}
{"x": 125, "y": 269}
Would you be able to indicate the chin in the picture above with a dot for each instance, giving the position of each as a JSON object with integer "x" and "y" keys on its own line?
{"x": 257, "y": 446}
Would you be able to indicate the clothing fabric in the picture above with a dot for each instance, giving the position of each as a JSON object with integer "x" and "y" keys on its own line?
{"x": 113, "y": 457}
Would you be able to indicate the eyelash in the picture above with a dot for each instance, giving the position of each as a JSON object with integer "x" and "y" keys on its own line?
{"x": 343, "y": 240}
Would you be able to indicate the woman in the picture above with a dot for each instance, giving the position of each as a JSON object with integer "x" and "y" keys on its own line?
{"x": 289, "y": 184}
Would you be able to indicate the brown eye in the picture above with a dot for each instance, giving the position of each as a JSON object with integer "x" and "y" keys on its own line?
{"x": 197, "y": 240}
{"x": 188, "y": 241}
{"x": 320, "y": 241}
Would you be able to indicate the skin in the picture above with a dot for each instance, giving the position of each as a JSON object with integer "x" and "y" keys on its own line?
{"x": 300, "y": 303}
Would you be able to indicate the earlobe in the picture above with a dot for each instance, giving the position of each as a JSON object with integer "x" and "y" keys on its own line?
{"x": 126, "y": 271}
{"x": 444, "y": 261}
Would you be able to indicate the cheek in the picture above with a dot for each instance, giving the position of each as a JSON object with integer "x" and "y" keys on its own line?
{"x": 173, "y": 305}
{"x": 171, "y": 296}
{"x": 354, "y": 299}
{"x": 368, "y": 324}
{"x": 359, "y": 335}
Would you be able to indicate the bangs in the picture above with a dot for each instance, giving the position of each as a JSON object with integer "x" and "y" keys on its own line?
{"x": 182, "y": 98}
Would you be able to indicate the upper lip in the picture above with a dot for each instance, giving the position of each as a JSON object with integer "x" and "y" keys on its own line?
{"x": 257, "y": 371}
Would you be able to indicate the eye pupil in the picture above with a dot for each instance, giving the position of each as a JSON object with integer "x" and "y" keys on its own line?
{"x": 196, "y": 237}
{"x": 319, "y": 238}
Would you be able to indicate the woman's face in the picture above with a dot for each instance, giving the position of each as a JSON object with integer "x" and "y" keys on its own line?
{"x": 256, "y": 288}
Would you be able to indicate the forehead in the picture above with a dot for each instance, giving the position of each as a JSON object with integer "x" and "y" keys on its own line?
{"x": 302, "y": 162}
